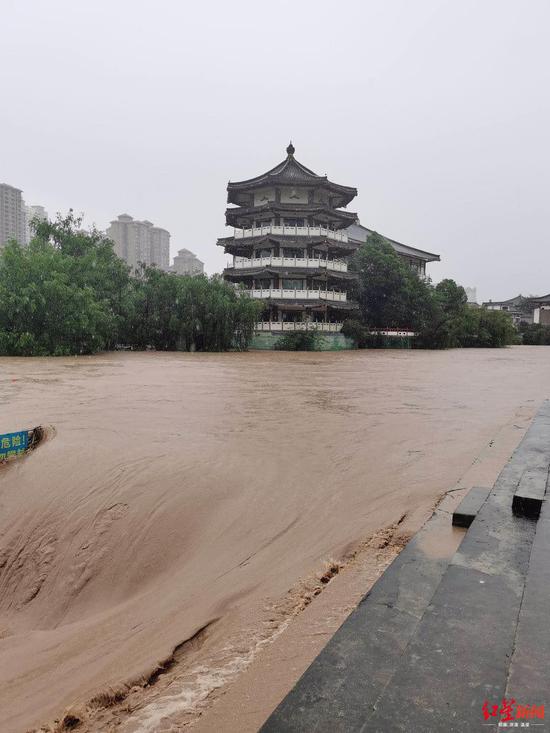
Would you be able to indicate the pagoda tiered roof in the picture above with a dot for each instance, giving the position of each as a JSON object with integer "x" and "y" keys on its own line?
{"x": 290, "y": 172}
{"x": 239, "y": 215}
{"x": 235, "y": 273}
{"x": 306, "y": 305}
{"x": 544, "y": 299}
{"x": 359, "y": 234}
{"x": 244, "y": 246}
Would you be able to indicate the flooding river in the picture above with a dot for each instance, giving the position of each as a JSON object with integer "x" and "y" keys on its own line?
{"x": 183, "y": 495}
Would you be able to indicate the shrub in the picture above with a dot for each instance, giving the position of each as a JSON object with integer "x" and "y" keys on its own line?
{"x": 299, "y": 341}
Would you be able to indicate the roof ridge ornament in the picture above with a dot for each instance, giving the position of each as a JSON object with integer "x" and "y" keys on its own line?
{"x": 291, "y": 149}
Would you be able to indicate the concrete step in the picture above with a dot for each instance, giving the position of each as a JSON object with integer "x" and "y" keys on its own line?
{"x": 529, "y": 495}
{"x": 356, "y": 665}
{"x": 460, "y": 654}
{"x": 529, "y": 674}
{"x": 434, "y": 639}
{"x": 467, "y": 510}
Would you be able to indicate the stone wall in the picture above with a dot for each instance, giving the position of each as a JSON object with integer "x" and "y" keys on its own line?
{"x": 265, "y": 341}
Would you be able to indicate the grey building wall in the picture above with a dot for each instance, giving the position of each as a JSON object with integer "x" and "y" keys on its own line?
{"x": 160, "y": 247}
{"x": 31, "y": 213}
{"x": 471, "y": 294}
{"x": 187, "y": 263}
{"x": 139, "y": 241}
{"x": 12, "y": 215}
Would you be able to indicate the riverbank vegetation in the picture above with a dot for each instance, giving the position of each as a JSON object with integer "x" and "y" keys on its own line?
{"x": 535, "y": 335}
{"x": 68, "y": 293}
{"x": 299, "y": 341}
{"x": 391, "y": 296}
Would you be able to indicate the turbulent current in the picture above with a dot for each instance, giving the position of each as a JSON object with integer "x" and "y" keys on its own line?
{"x": 180, "y": 500}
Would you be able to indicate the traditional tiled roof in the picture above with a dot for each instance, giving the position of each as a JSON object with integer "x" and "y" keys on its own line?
{"x": 239, "y": 274}
{"x": 233, "y": 245}
{"x": 539, "y": 299}
{"x": 291, "y": 171}
{"x": 234, "y": 214}
{"x": 516, "y": 301}
{"x": 359, "y": 233}
{"x": 311, "y": 304}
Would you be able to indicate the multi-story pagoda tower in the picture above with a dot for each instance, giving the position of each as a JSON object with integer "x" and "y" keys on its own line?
{"x": 290, "y": 246}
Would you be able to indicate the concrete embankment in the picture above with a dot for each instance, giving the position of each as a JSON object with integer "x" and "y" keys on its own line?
{"x": 436, "y": 638}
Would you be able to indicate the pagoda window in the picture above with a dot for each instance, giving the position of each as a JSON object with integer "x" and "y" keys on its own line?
{"x": 263, "y": 253}
{"x": 288, "y": 252}
{"x": 294, "y": 222}
{"x": 291, "y": 316}
{"x": 289, "y": 284}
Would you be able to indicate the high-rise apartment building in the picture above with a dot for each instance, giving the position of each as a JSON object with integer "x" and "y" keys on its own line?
{"x": 12, "y": 215}
{"x": 140, "y": 242}
{"x": 187, "y": 263}
{"x": 160, "y": 247}
{"x": 32, "y": 213}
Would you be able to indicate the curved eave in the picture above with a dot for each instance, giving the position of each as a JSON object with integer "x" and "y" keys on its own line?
{"x": 232, "y": 216}
{"x": 238, "y": 273}
{"x": 307, "y": 304}
{"x": 536, "y": 300}
{"x": 413, "y": 253}
{"x": 240, "y": 246}
{"x": 402, "y": 249}
{"x": 345, "y": 194}
{"x": 289, "y": 172}
{"x": 289, "y": 168}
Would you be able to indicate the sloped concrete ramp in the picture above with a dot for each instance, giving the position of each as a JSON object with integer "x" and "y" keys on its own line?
{"x": 438, "y": 637}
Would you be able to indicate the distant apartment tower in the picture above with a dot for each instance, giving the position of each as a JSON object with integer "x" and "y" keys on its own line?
{"x": 187, "y": 263}
{"x": 140, "y": 242}
{"x": 32, "y": 213}
{"x": 160, "y": 247}
{"x": 12, "y": 215}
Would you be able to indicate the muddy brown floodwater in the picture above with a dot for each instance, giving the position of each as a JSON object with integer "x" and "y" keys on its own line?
{"x": 187, "y": 505}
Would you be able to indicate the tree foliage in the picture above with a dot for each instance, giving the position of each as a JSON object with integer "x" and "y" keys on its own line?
{"x": 187, "y": 313}
{"x": 68, "y": 293}
{"x": 389, "y": 293}
{"x": 299, "y": 341}
{"x": 536, "y": 334}
{"x": 392, "y": 296}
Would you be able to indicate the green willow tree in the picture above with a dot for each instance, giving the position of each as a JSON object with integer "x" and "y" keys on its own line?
{"x": 189, "y": 313}
{"x": 68, "y": 293}
{"x": 59, "y": 295}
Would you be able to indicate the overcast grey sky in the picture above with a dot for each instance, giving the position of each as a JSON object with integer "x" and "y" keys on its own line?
{"x": 438, "y": 112}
